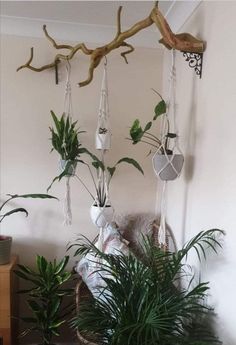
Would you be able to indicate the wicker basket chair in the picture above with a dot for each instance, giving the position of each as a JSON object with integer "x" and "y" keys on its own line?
{"x": 152, "y": 230}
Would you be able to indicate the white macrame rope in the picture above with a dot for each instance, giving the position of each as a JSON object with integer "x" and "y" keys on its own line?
{"x": 68, "y": 111}
{"x": 68, "y": 98}
{"x": 103, "y": 125}
{"x": 164, "y": 128}
{"x": 67, "y": 204}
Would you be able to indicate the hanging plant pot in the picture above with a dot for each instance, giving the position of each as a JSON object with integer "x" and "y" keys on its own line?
{"x": 72, "y": 168}
{"x": 103, "y": 141}
{"x": 168, "y": 167}
{"x": 5, "y": 249}
{"x": 100, "y": 216}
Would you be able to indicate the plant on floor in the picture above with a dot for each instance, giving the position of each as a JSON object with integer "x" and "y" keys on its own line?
{"x": 143, "y": 135}
{"x": 149, "y": 301}
{"x": 45, "y": 297}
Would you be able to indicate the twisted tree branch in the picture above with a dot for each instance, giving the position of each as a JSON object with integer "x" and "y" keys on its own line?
{"x": 183, "y": 42}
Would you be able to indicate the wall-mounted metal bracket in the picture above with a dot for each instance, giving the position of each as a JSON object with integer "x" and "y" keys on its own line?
{"x": 194, "y": 61}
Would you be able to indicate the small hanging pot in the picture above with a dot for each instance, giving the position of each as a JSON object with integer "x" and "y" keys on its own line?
{"x": 168, "y": 167}
{"x": 5, "y": 249}
{"x": 103, "y": 139}
{"x": 100, "y": 216}
{"x": 72, "y": 168}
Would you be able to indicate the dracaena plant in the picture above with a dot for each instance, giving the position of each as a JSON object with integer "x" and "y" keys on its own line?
{"x": 65, "y": 137}
{"x": 144, "y": 135}
{"x": 149, "y": 300}
{"x": 3, "y": 214}
{"x": 47, "y": 292}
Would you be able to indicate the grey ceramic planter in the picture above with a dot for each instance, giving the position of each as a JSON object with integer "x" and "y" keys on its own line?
{"x": 5, "y": 249}
{"x": 168, "y": 167}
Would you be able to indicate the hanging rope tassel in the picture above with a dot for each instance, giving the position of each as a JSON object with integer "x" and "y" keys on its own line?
{"x": 162, "y": 228}
{"x": 67, "y": 204}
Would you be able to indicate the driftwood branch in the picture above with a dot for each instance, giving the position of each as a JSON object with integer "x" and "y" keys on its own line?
{"x": 183, "y": 42}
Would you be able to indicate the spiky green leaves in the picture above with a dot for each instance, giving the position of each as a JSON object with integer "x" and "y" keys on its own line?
{"x": 64, "y": 137}
{"x": 45, "y": 296}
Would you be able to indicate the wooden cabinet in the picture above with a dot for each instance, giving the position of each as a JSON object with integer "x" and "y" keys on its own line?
{"x": 8, "y": 303}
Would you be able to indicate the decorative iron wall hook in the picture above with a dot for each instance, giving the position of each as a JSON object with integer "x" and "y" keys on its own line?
{"x": 194, "y": 61}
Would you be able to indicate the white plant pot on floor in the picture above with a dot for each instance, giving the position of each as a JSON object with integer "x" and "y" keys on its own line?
{"x": 168, "y": 167}
{"x": 100, "y": 216}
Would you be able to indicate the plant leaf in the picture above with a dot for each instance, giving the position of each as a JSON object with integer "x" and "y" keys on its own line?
{"x": 132, "y": 162}
{"x": 160, "y": 109}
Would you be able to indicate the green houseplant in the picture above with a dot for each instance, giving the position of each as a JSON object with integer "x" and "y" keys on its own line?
{"x": 5, "y": 241}
{"x": 167, "y": 164}
{"x": 65, "y": 140}
{"x": 45, "y": 297}
{"x": 151, "y": 300}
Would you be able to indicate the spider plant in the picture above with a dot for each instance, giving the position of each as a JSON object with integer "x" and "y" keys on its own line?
{"x": 20, "y": 209}
{"x": 143, "y": 135}
{"x": 149, "y": 301}
{"x": 45, "y": 297}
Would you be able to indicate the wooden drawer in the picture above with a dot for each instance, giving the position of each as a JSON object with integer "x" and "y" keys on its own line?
{"x": 8, "y": 303}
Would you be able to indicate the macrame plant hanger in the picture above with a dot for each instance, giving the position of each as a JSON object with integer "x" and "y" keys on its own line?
{"x": 68, "y": 111}
{"x": 103, "y": 144}
{"x": 168, "y": 166}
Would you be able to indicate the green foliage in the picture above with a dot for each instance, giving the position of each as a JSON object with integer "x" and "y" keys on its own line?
{"x": 20, "y": 209}
{"x": 149, "y": 301}
{"x": 45, "y": 296}
{"x": 160, "y": 109}
{"x": 140, "y": 134}
{"x": 65, "y": 137}
{"x": 65, "y": 142}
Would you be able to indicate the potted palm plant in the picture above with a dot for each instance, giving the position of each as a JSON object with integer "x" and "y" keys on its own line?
{"x": 6, "y": 241}
{"x": 46, "y": 297}
{"x": 166, "y": 163}
{"x": 149, "y": 300}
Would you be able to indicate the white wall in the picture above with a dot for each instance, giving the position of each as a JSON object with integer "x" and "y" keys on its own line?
{"x": 26, "y": 163}
{"x": 205, "y": 195}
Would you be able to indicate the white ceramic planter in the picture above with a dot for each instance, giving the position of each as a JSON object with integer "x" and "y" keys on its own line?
{"x": 168, "y": 167}
{"x": 101, "y": 216}
{"x": 5, "y": 249}
{"x": 103, "y": 141}
{"x": 62, "y": 165}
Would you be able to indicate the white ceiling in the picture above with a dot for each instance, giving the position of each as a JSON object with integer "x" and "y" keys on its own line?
{"x": 89, "y": 21}
{"x": 83, "y": 12}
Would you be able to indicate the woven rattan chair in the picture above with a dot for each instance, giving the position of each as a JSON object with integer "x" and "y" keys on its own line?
{"x": 82, "y": 290}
